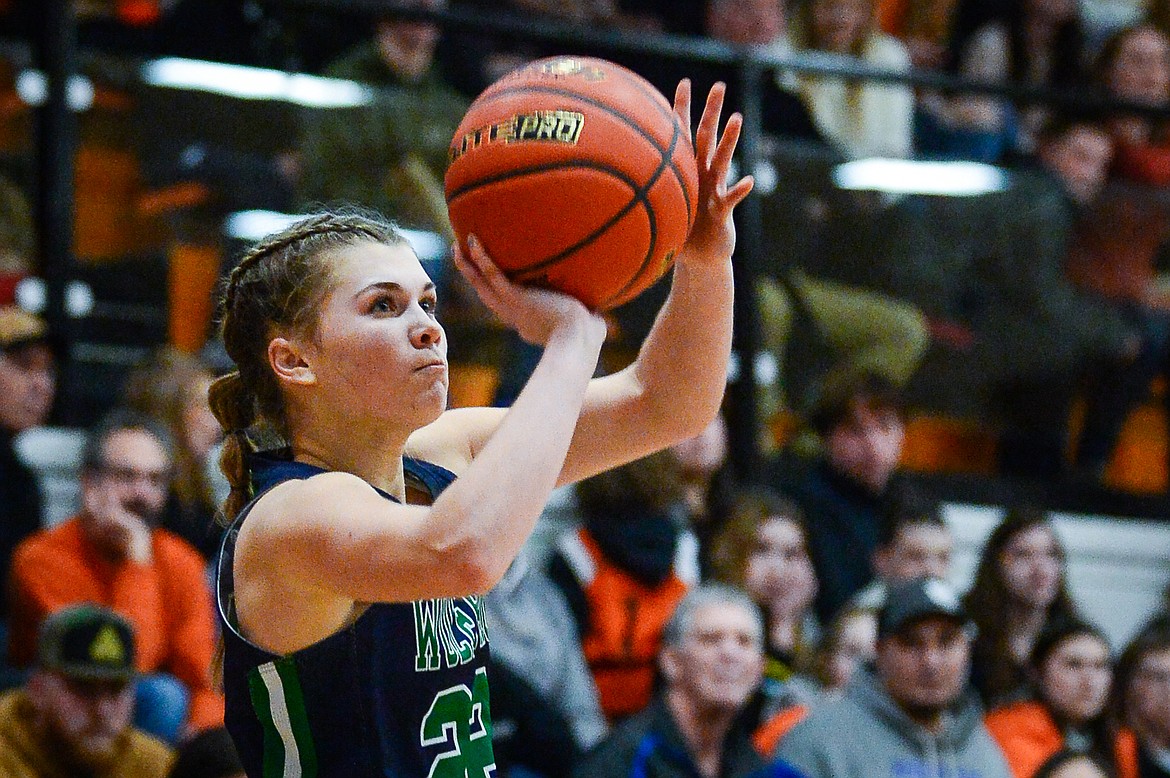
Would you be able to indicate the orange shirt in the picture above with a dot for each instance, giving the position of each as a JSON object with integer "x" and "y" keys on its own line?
{"x": 772, "y": 731}
{"x": 168, "y": 601}
{"x": 1028, "y": 737}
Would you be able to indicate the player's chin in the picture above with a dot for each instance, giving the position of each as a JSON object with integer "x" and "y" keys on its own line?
{"x": 432, "y": 396}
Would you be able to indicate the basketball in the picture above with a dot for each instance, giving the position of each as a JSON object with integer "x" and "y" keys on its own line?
{"x": 575, "y": 174}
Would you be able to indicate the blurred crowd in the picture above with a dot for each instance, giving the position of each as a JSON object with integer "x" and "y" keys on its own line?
{"x": 669, "y": 619}
{"x": 678, "y": 622}
{"x": 1038, "y": 306}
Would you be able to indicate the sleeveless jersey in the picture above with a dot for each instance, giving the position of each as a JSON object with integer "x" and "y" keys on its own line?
{"x": 401, "y": 692}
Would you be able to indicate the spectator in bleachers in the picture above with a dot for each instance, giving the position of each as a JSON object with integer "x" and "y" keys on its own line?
{"x": 28, "y": 382}
{"x": 758, "y": 24}
{"x": 1073, "y": 764}
{"x": 390, "y": 156}
{"x": 1037, "y": 43}
{"x": 623, "y": 572}
{"x": 1041, "y": 311}
{"x": 860, "y": 420}
{"x": 763, "y": 551}
{"x": 915, "y": 712}
{"x": 923, "y": 26}
{"x": 708, "y": 485}
{"x": 710, "y": 660}
{"x": 1142, "y": 700}
{"x": 534, "y": 636}
{"x": 1019, "y": 589}
{"x": 913, "y": 542}
{"x": 1072, "y": 670}
{"x": 112, "y": 554}
{"x": 860, "y": 119}
{"x": 531, "y": 737}
{"x": 1115, "y": 257}
{"x": 848, "y": 643}
{"x": 853, "y": 328}
{"x": 73, "y": 716}
{"x": 209, "y": 754}
{"x": 171, "y": 388}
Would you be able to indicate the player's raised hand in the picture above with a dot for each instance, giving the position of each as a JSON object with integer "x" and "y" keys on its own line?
{"x": 712, "y": 237}
{"x": 533, "y": 312}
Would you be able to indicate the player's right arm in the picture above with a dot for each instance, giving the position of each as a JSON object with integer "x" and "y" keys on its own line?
{"x": 339, "y": 539}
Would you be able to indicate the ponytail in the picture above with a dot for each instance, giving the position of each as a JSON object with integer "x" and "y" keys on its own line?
{"x": 235, "y": 409}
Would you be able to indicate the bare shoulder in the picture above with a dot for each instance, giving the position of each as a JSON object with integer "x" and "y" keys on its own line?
{"x": 453, "y": 439}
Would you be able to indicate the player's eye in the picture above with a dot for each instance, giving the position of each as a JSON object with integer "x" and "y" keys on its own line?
{"x": 430, "y": 305}
{"x": 383, "y": 303}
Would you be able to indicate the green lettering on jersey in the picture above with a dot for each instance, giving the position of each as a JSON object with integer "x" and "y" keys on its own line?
{"x": 447, "y": 632}
{"x": 476, "y": 602}
{"x": 426, "y": 635}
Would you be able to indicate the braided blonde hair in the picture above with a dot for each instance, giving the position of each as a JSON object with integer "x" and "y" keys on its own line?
{"x": 278, "y": 285}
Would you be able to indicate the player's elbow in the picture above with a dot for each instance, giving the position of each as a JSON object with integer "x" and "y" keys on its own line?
{"x": 472, "y": 564}
{"x": 677, "y": 424}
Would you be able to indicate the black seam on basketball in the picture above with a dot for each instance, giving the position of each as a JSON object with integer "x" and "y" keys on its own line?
{"x": 653, "y": 222}
{"x": 609, "y": 110}
{"x": 638, "y": 195}
{"x": 669, "y": 113}
{"x": 533, "y": 270}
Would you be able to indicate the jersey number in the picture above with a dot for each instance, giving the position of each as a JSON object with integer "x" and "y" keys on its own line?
{"x": 461, "y": 719}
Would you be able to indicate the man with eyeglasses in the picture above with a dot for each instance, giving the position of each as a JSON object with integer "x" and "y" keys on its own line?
{"x": 112, "y": 554}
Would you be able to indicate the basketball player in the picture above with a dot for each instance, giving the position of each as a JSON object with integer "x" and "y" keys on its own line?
{"x": 350, "y": 584}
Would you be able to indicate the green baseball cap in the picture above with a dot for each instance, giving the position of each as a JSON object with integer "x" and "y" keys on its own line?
{"x": 87, "y": 642}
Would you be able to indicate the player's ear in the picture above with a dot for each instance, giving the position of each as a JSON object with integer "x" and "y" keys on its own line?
{"x": 287, "y": 358}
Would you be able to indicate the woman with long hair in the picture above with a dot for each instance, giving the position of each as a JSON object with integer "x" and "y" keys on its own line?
{"x": 1019, "y": 587}
{"x": 351, "y": 577}
{"x": 1072, "y": 669}
{"x": 763, "y": 550}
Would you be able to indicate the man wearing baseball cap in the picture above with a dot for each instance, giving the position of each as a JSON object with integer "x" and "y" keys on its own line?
{"x": 913, "y": 712}
{"x": 27, "y": 385}
{"x": 72, "y": 718}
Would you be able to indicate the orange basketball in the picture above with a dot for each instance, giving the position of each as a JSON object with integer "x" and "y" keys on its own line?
{"x": 576, "y": 175}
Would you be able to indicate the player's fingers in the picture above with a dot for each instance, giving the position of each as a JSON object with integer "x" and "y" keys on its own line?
{"x": 682, "y": 106}
{"x": 486, "y": 266}
{"x": 473, "y": 272}
{"x": 726, "y": 148}
{"x": 487, "y": 293}
{"x": 737, "y": 193}
{"x": 709, "y": 124}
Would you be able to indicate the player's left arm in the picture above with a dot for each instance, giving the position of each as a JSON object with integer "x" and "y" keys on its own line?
{"x": 675, "y": 386}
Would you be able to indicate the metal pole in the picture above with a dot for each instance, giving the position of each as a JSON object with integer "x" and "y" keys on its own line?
{"x": 56, "y": 140}
{"x": 743, "y": 413}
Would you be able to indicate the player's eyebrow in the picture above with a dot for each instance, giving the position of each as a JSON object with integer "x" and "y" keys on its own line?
{"x": 390, "y": 286}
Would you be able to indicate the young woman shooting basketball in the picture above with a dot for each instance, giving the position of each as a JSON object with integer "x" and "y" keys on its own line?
{"x": 349, "y": 583}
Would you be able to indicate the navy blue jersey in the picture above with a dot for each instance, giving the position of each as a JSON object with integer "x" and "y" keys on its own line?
{"x": 402, "y": 692}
